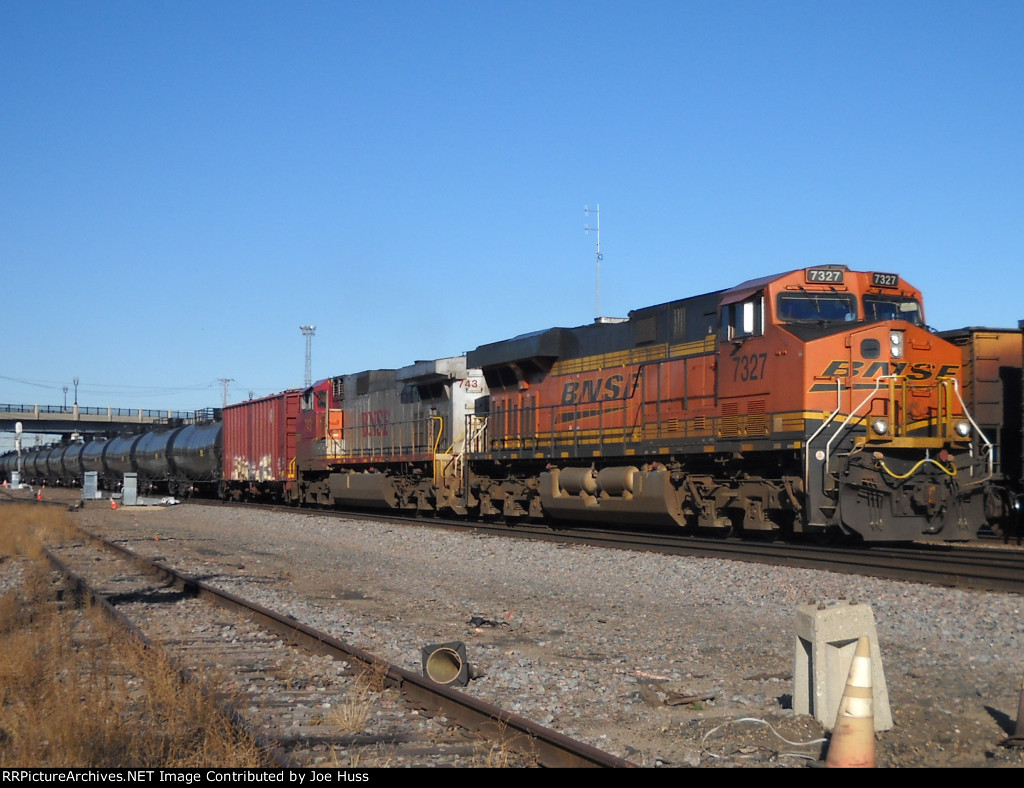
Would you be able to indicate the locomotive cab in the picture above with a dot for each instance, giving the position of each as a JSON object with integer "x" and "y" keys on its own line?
{"x": 888, "y": 447}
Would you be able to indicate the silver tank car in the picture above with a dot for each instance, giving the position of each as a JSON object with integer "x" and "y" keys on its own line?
{"x": 6, "y": 466}
{"x": 195, "y": 457}
{"x": 34, "y": 466}
{"x": 153, "y": 458}
{"x": 71, "y": 464}
{"x": 92, "y": 457}
{"x": 49, "y": 462}
{"x": 119, "y": 459}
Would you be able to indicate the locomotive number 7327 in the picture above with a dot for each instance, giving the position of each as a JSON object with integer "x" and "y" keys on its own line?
{"x": 749, "y": 367}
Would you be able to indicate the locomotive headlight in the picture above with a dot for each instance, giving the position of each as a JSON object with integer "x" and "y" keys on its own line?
{"x": 880, "y": 426}
{"x": 962, "y": 428}
{"x": 896, "y": 344}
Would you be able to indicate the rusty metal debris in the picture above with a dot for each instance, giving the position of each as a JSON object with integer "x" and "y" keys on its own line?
{"x": 656, "y": 695}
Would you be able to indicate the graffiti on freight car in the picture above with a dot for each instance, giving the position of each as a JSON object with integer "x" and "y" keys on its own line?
{"x": 375, "y": 423}
{"x": 242, "y": 469}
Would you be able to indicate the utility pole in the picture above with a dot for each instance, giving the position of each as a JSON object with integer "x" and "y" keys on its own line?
{"x": 587, "y": 228}
{"x": 307, "y": 332}
{"x": 224, "y": 382}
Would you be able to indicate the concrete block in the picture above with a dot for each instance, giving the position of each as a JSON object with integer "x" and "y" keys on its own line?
{"x": 130, "y": 490}
{"x": 826, "y": 639}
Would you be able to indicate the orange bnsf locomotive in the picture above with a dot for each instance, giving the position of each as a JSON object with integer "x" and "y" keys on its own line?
{"x": 812, "y": 402}
{"x": 815, "y": 401}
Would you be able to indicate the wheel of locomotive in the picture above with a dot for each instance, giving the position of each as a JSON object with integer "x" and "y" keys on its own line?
{"x": 1002, "y": 512}
{"x": 835, "y": 536}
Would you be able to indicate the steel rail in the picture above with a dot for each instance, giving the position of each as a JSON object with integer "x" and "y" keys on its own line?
{"x": 82, "y": 588}
{"x": 550, "y": 748}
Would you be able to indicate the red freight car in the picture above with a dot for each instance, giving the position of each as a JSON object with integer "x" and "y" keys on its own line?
{"x": 259, "y": 447}
{"x": 992, "y": 391}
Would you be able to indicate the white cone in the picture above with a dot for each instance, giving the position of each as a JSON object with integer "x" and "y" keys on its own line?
{"x": 853, "y": 736}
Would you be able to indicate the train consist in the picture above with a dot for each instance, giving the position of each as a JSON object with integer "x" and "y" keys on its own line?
{"x": 812, "y": 402}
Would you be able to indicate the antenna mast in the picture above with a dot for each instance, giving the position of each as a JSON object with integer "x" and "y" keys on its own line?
{"x": 597, "y": 212}
{"x": 307, "y": 332}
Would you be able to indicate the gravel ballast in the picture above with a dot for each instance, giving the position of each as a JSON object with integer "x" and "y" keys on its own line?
{"x": 598, "y": 643}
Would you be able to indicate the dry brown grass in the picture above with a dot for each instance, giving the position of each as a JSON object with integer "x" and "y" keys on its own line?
{"x": 25, "y": 528}
{"x": 77, "y": 692}
{"x": 352, "y": 714}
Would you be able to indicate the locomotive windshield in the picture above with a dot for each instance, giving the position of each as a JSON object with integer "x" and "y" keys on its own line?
{"x": 816, "y": 307}
{"x": 883, "y": 307}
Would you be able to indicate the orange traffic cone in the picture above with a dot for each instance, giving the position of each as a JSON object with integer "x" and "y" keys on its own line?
{"x": 853, "y": 736}
{"x": 113, "y": 503}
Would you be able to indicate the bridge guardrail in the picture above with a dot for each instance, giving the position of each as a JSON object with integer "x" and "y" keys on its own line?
{"x": 76, "y": 412}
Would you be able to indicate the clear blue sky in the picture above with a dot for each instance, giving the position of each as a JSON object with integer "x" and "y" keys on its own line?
{"x": 183, "y": 184}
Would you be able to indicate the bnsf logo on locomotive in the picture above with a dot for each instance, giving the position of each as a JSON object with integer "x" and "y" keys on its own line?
{"x": 922, "y": 370}
{"x": 576, "y": 392}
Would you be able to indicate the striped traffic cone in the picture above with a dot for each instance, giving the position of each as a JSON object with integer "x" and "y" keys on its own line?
{"x": 853, "y": 736}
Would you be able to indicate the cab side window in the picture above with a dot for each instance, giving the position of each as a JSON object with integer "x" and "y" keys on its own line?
{"x": 743, "y": 319}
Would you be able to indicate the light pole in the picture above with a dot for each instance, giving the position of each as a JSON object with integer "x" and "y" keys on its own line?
{"x": 65, "y": 398}
{"x": 75, "y": 381}
{"x": 224, "y": 382}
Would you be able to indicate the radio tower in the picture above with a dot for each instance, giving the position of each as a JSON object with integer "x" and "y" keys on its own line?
{"x": 307, "y": 332}
{"x": 596, "y": 211}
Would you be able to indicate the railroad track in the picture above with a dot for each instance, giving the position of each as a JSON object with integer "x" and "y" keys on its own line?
{"x": 281, "y": 680}
{"x": 954, "y": 566}
{"x": 583, "y": 651}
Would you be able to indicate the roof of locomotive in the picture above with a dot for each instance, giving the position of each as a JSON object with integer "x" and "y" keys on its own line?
{"x": 681, "y": 320}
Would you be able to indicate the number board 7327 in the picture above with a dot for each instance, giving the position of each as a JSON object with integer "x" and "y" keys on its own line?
{"x": 824, "y": 276}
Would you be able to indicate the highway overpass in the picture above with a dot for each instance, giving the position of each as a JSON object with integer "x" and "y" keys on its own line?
{"x": 64, "y": 420}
